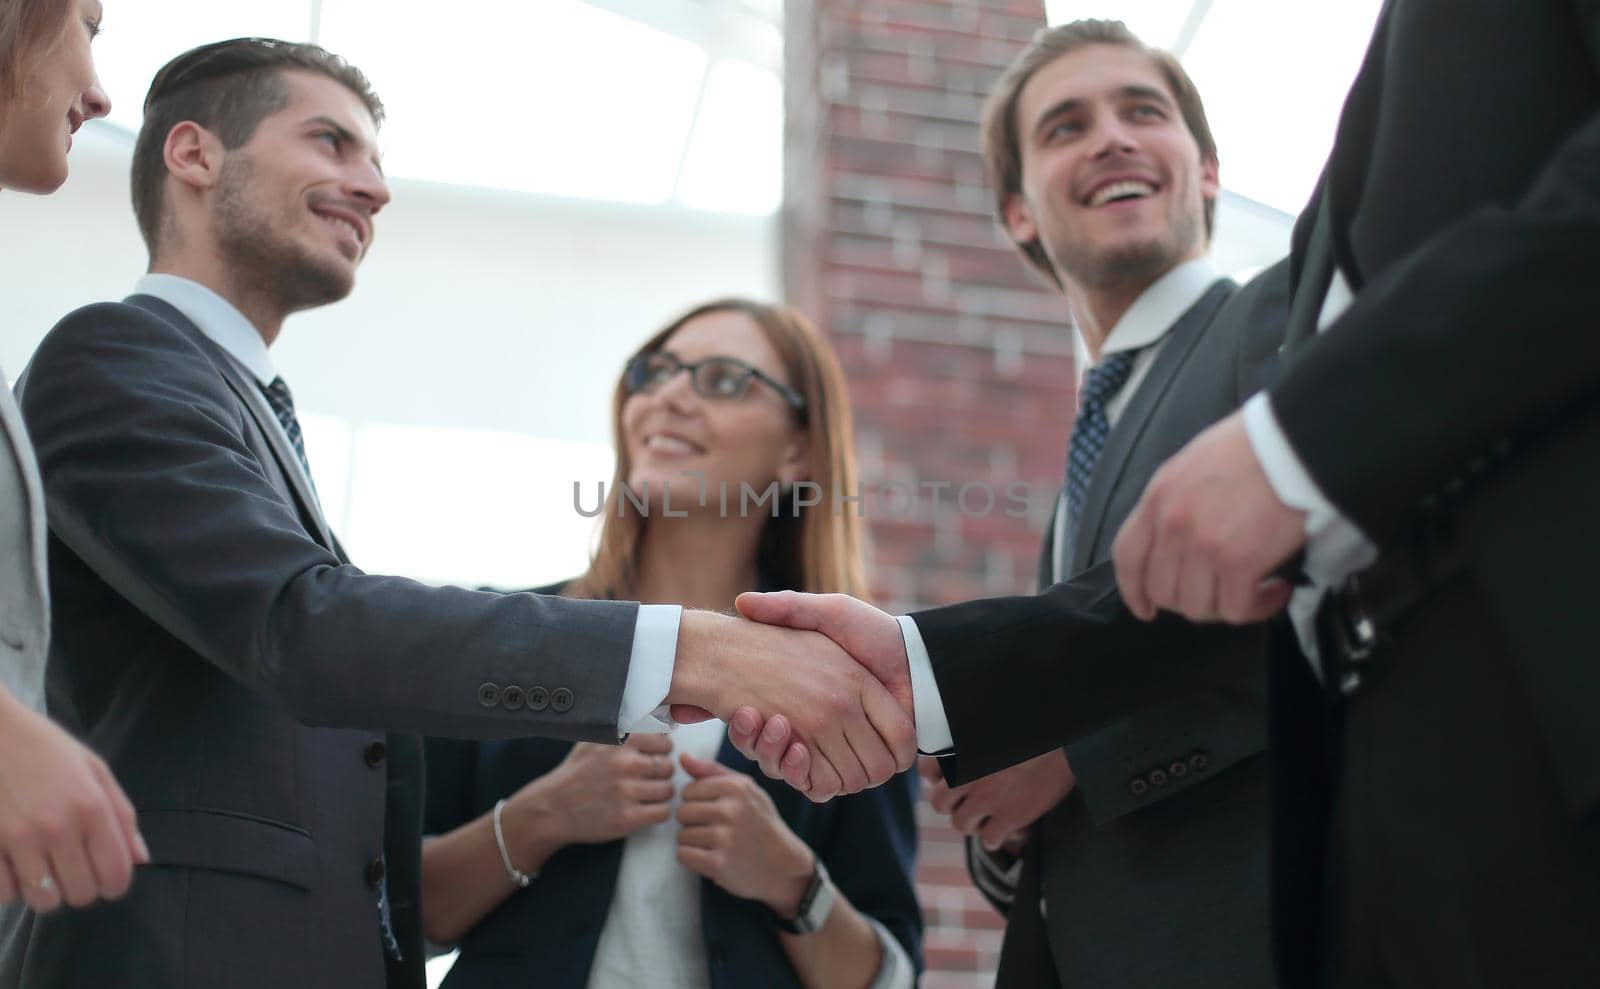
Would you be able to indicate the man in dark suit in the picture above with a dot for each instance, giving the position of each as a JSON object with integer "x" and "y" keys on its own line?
{"x": 1435, "y": 776}
{"x": 211, "y": 639}
{"x": 1146, "y": 842}
{"x": 1432, "y": 449}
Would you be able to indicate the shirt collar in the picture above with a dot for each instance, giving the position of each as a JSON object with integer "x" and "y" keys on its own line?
{"x": 216, "y": 317}
{"x": 1154, "y": 312}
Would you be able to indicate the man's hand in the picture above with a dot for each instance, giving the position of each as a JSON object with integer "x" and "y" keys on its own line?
{"x": 871, "y": 636}
{"x": 1207, "y": 534}
{"x": 67, "y": 831}
{"x": 855, "y": 732}
{"x": 1000, "y": 806}
{"x": 733, "y": 836}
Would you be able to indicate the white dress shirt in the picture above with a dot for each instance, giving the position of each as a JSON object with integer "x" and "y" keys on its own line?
{"x": 1145, "y": 324}
{"x": 655, "y": 635}
{"x": 1335, "y": 546}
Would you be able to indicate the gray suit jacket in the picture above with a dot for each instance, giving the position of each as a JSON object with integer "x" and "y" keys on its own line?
{"x": 1154, "y": 870}
{"x": 24, "y": 599}
{"x": 212, "y": 642}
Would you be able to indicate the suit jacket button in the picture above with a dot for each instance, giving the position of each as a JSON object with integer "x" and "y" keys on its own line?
{"x": 489, "y": 694}
{"x": 375, "y": 873}
{"x": 561, "y": 700}
{"x": 375, "y": 754}
{"x": 1199, "y": 761}
{"x": 538, "y": 698}
{"x": 1137, "y": 786}
{"x": 1158, "y": 777}
{"x": 1178, "y": 770}
{"x": 511, "y": 697}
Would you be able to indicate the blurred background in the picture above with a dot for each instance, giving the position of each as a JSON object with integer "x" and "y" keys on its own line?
{"x": 570, "y": 175}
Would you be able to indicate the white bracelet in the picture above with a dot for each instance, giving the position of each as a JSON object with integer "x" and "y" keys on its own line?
{"x": 522, "y": 879}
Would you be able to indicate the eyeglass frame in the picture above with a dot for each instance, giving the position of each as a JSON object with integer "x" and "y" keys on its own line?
{"x": 795, "y": 400}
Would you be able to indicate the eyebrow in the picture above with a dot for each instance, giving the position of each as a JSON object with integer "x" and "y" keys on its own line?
{"x": 1133, "y": 91}
{"x": 347, "y": 135}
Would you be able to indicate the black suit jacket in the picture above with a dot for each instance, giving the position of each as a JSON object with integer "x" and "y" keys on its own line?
{"x": 1154, "y": 870}
{"x": 213, "y": 643}
{"x": 547, "y": 934}
{"x": 1465, "y": 210}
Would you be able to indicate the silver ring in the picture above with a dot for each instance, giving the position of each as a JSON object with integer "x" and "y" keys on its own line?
{"x": 47, "y": 883}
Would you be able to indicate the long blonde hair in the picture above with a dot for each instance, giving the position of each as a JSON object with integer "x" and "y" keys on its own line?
{"x": 25, "y": 26}
{"x": 809, "y": 548}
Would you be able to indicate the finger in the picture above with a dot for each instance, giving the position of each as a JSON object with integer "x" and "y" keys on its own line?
{"x": 838, "y": 747}
{"x": 704, "y": 836}
{"x": 823, "y": 782}
{"x": 968, "y": 815}
{"x": 109, "y": 857}
{"x": 122, "y": 809}
{"x": 702, "y": 768}
{"x": 650, "y": 742}
{"x": 772, "y": 745}
{"x": 1130, "y": 554}
{"x": 689, "y": 714}
{"x": 697, "y": 860}
{"x": 928, "y": 769}
{"x": 709, "y": 789}
{"x": 994, "y": 834}
{"x": 1195, "y": 589}
{"x": 70, "y": 866}
{"x": 896, "y": 731}
{"x": 647, "y": 815}
{"x": 39, "y": 889}
{"x": 743, "y": 728}
{"x": 647, "y": 791}
{"x": 944, "y": 798}
{"x": 769, "y": 608}
{"x": 697, "y": 812}
{"x": 796, "y": 767}
{"x": 1161, "y": 571}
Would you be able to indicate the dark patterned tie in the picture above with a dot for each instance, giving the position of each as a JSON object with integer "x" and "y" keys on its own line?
{"x": 1089, "y": 433}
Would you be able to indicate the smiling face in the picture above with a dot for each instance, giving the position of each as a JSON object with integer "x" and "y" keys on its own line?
{"x": 752, "y": 439}
{"x": 59, "y": 91}
{"x": 1113, "y": 183}
{"x": 294, "y": 206}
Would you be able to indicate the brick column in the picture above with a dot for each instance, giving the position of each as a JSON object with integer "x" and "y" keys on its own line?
{"x": 959, "y": 357}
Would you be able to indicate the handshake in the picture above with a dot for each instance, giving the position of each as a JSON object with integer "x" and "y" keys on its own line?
{"x": 816, "y": 688}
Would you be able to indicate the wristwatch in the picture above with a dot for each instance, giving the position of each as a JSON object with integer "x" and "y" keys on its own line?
{"x": 814, "y": 905}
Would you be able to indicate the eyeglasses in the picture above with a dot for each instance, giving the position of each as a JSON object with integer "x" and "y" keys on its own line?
{"x": 716, "y": 378}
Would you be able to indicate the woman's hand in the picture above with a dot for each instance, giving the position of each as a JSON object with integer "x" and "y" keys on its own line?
{"x": 733, "y": 836}
{"x": 598, "y": 792}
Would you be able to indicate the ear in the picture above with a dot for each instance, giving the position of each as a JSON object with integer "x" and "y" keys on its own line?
{"x": 1210, "y": 184}
{"x": 1019, "y": 220}
{"x": 796, "y": 465}
{"x": 193, "y": 155}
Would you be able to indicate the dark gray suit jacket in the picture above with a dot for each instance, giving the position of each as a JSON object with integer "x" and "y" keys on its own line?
{"x": 238, "y": 673}
{"x": 1154, "y": 870}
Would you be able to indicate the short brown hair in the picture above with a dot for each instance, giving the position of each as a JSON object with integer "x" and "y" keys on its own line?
{"x": 227, "y": 87}
{"x": 810, "y": 548}
{"x": 25, "y": 26}
{"x": 1002, "y": 149}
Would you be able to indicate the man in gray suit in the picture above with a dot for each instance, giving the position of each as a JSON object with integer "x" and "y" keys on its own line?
{"x": 1143, "y": 846}
{"x": 213, "y": 641}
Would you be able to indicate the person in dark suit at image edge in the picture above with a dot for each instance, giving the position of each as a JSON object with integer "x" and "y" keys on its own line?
{"x": 212, "y": 641}
{"x": 1144, "y": 845}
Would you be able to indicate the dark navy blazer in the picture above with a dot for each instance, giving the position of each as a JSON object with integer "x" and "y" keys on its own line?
{"x": 547, "y": 934}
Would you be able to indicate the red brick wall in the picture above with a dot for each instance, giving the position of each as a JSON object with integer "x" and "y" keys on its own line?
{"x": 959, "y": 357}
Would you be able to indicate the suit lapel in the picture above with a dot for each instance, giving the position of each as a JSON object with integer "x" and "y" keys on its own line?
{"x": 244, "y": 386}
{"x": 1124, "y": 438}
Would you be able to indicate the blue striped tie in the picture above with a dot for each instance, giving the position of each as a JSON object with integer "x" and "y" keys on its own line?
{"x": 1089, "y": 433}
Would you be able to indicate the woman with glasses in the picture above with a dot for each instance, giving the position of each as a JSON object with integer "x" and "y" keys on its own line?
{"x": 670, "y": 860}
{"x": 67, "y": 832}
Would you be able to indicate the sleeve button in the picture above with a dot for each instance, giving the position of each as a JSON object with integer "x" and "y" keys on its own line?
{"x": 489, "y": 694}
{"x": 561, "y": 700}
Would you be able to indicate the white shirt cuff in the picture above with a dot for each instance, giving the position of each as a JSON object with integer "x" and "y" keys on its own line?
{"x": 655, "y": 650}
{"x": 896, "y": 970}
{"x": 933, "y": 726}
